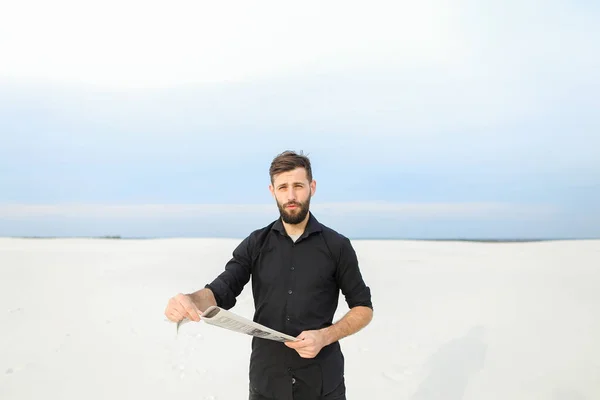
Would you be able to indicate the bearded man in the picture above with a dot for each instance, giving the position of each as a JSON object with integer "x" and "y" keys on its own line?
{"x": 298, "y": 267}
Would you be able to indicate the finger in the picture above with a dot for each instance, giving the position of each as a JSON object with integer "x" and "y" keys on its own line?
{"x": 172, "y": 313}
{"x": 189, "y": 308}
{"x": 192, "y": 312}
{"x": 299, "y": 342}
{"x": 176, "y": 315}
{"x": 306, "y": 354}
{"x": 176, "y": 303}
{"x": 296, "y": 345}
{"x": 168, "y": 314}
{"x": 172, "y": 316}
{"x": 310, "y": 354}
{"x": 179, "y": 309}
{"x": 176, "y": 310}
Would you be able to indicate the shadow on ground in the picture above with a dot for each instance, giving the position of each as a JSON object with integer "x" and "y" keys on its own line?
{"x": 452, "y": 365}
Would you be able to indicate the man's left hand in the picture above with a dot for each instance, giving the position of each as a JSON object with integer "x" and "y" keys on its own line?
{"x": 309, "y": 345}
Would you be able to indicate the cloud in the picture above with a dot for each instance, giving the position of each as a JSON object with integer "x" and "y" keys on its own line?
{"x": 161, "y": 211}
{"x": 130, "y": 43}
{"x": 483, "y": 85}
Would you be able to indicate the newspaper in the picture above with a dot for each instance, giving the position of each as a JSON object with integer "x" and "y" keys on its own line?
{"x": 222, "y": 318}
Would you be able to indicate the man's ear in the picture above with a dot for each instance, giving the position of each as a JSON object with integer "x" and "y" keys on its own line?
{"x": 313, "y": 187}
{"x": 272, "y": 190}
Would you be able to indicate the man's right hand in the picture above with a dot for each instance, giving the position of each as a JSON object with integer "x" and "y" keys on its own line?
{"x": 180, "y": 307}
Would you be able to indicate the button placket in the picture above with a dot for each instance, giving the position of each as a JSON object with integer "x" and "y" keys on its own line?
{"x": 290, "y": 281}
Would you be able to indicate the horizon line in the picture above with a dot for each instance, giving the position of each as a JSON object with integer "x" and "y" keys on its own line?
{"x": 361, "y": 238}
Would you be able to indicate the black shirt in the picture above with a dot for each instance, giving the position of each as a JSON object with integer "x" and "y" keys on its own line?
{"x": 296, "y": 287}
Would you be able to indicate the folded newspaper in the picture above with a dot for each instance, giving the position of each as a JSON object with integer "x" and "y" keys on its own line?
{"x": 222, "y": 318}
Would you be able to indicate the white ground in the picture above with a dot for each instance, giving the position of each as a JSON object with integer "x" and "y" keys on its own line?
{"x": 83, "y": 319}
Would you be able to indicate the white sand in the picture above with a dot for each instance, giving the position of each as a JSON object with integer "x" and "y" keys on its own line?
{"x": 83, "y": 319}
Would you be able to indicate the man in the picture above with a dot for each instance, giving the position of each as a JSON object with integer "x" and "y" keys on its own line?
{"x": 298, "y": 267}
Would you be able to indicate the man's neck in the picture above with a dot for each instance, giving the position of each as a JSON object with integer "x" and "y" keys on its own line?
{"x": 296, "y": 229}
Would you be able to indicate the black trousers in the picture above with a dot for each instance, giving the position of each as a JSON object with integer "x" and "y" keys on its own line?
{"x": 301, "y": 391}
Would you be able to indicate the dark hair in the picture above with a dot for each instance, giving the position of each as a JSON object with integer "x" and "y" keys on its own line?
{"x": 288, "y": 161}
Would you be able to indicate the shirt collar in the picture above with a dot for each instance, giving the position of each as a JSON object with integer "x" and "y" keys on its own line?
{"x": 311, "y": 227}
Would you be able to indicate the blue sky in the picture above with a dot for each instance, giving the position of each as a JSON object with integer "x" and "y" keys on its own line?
{"x": 422, "y": 121}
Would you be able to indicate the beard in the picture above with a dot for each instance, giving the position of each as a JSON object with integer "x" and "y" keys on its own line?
{"x": 295, "y": 216}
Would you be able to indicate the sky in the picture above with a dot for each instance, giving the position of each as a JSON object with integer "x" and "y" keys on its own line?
{"x": 422, "y": 119}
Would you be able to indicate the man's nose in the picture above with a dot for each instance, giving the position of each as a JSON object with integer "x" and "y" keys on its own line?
{"x": 291, "y": 194}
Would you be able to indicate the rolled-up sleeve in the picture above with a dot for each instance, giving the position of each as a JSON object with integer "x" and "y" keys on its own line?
{"x": 229, "y": 284}
{"x": 350, "y": 279}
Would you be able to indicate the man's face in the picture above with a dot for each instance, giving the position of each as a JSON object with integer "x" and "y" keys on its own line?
{"x": 292, "y": 192}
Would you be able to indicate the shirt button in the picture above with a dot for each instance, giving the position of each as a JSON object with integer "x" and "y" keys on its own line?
{"x": 290, "y": 291}
{"x": 292, "y": 268}
{"x": 293, "y": 380}
{"x": 287, "y": 317}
